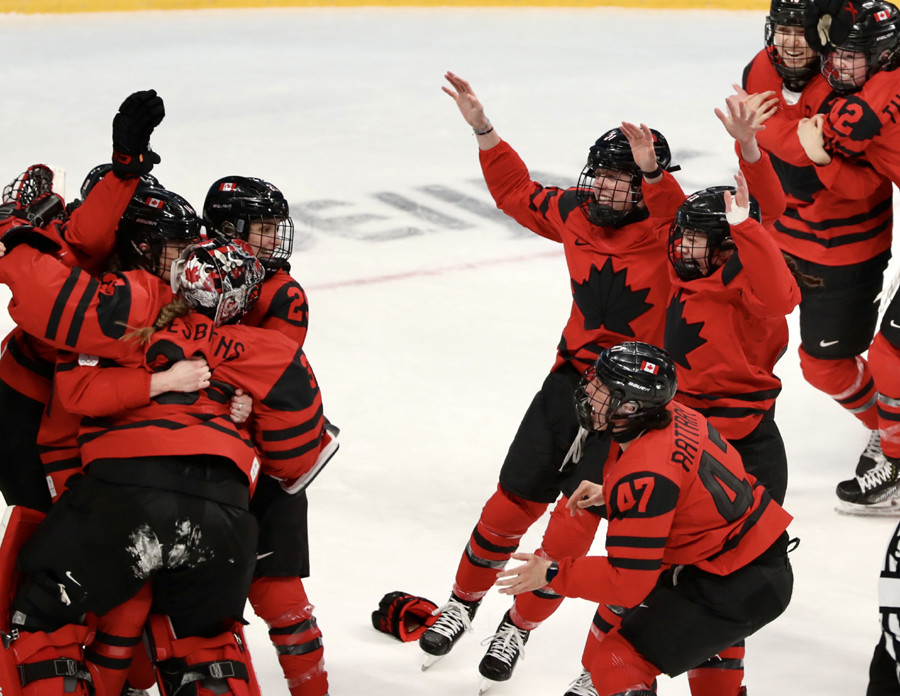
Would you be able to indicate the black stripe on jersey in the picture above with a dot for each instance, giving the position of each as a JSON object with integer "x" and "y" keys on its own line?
{"x": 763, "y": 395}
{"x": 293, "y": 431}
{"x": 733, "y": 541}
{"x": 732, "y": 267}
{"x": 60, "y": 305}
{"x": 636, "y": 563}
{"x": 637, "y": 542}
{"x": 80, "y": 309}
{"x": 291, "y": 453}
{"x": 854, "y": 220}
{"x": 42, "y": 368}
{"x": 546, "y": 195}
{"x": 104, "y": 427}
{"x": 729, "y": 411}
{"x": 838, "y": 240}
{"x": 62, "y": 464}
{"x": 602, "y": 624}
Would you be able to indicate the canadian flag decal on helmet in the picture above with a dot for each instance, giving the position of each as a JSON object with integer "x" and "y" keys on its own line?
{"x": 155, "y": 203}
{"x": 228, "y": 186}
{"x": 649, "y": 367}
{"x": 882, "y": 15}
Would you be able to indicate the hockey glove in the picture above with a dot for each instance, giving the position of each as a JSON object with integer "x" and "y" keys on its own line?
{"x": 138, "y": 115}
{"x": 404, "y": 616}
{"x": 828, "y": 22}
{"x": 14, "y": 232}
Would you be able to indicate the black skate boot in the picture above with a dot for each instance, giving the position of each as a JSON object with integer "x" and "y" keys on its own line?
{"x": 583, "y": 686}
{"x": 877, "y": 492}
{"x": 871, "y": 456}
{"x": 506, "y": 646}
{"x": 454, "y": 620}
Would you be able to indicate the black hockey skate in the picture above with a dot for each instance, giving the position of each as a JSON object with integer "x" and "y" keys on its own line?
{"x": 871, "y": 456}
{"x": 505, "y": 649}
{"x": 454, "y": 620}
{"x": 876, "y": 492}
{"x": 583, "y": 686}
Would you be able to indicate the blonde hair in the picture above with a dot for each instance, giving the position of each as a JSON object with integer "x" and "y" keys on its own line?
{"x": 178, "y": 307}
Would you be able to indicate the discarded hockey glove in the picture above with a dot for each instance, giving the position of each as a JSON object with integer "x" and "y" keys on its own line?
{"x": 827, "y": 22}
{"x": 404, "y": 616}
{"x": 138, "y": 115}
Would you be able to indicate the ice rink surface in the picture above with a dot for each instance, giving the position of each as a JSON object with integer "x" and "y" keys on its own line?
{"x": 433, "y": 319}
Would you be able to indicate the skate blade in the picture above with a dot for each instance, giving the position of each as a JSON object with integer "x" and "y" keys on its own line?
{"x": 889, "y": 508}
{"x": 429, "y": 660}
{"x": 485, "y": 685}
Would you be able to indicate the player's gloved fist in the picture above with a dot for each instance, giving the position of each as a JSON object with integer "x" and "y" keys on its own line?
{"x": 138, "y": 115}
{"x": 14, "y": 232}
{"x": 828, "y": 22}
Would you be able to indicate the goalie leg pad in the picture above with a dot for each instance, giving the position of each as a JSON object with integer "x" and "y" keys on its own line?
{"x": 198, "y": 666}
{"x": 51, "y": 664}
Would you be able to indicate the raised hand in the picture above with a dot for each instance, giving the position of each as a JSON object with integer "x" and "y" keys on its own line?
{"x": 469, "y": 105}
{"x": 138, "y": 115}
{"x": 641, "y": 140}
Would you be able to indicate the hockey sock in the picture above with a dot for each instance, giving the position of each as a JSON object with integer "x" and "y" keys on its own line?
{"x": 721, "y": 675}
{"x": 109, "y": 656}
{"x": 848, "y": 381}
{"x": 282, "y": 603}
{"x": 617, "y": 667}
{"x": 504, "y": 519}
{"x": 884, "y": 359}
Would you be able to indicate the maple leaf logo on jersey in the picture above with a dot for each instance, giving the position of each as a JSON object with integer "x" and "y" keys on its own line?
{"x": 606, "y": 299}
{"x": 681, "y": 336}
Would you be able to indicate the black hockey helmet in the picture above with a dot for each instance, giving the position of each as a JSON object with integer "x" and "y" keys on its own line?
{"x": 612, "y": 152}
{"x": 153, "y": 217}
{"x": 635, "y": 373}
{"x": 875, "y": 33}
{"x": 234, "y": 203}
{"x": 703, "y": 212}
{"x": 101, "y": 170}
{"x": 790, "y": 13}
{"x": 219, "y": 278}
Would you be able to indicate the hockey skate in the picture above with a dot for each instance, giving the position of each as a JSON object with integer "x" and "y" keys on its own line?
{"x": 877, "y": 492}
{"x": 583, "y": 686}
{"x": 506, "y": 646}
{"x": 454, "y": 619}
{"x": 871, "y": 456}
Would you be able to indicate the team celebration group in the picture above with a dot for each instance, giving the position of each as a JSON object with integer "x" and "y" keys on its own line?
{"x": 162, "y": 422}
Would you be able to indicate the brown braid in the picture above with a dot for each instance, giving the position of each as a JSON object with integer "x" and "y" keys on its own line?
{"x": 802, "y": 278}
{"x": 176, "y": 308}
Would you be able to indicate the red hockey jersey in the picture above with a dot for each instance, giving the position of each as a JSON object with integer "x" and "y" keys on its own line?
{"x": 618, "y": 275}
{"x": 676, "y": 496}
{"x": 839, "y": 214}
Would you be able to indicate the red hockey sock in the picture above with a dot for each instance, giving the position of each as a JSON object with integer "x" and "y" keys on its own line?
{"x": 721, "y": 675}
{"x": 848, "y": 381}
{"x": 504, "y": 519}
{"x": 282, "y": 603}
{"x": 884, "y": 359}
{"x": 110, "y": 656}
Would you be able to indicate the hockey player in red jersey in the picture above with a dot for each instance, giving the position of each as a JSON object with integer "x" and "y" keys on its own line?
{"x": 257, "y": 212}
{"x": 286, "y": 399}
{"x": 26, "y": 363}
{"x": 687, "y": 525}
{"x": 616, "y": 260}
{"x": 837, "y": 227}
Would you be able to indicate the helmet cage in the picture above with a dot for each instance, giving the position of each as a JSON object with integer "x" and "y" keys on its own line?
{"x": 876, "y": 35}
{"x": 219, "y": 278}
{"x": 788, "y": 13}
{"x": 612, "y": 153}
{"x": 234, "y": 203}
{"x": 633, "y": 372}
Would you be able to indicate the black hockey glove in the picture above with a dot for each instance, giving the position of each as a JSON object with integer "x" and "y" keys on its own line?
{"x": 138, "y": 115}
{"x": 828, "y": 22}
{"x": 14, "y": 233}
{"x": 404, "y": 616}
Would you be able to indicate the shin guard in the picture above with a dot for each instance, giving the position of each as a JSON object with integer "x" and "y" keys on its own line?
{"x": 196, "y": 666}
{"x": 282, "y": 603}
{"x": 848, "y": 381}
{"x": 504, "y": 519}
{"x": 721, "y": 675}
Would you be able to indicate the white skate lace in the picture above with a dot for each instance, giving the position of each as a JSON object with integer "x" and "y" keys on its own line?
{"x": 454, "y": 618}
{"x": 873, "y": 448}
{"x": 877, "y": 477}
{"x": 506, "y": 644}
{"x": 583, "y": 686}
